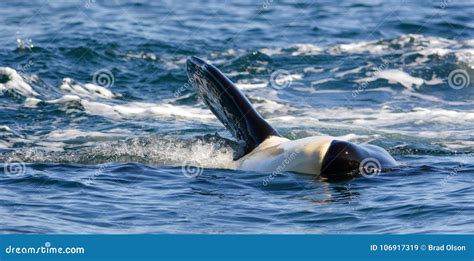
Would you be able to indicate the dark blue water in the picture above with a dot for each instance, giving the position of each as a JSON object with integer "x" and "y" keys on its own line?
{"x": 99, "y": 132}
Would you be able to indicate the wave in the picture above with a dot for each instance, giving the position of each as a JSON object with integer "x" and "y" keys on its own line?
{"x": 411, "y": 60}
{"x": 92, "y": 98}
{"x": 209, "y": 151}
{"x": 405, "y": 45}
{"x": 432, "y": 118}
{"x": 13, "y": 82}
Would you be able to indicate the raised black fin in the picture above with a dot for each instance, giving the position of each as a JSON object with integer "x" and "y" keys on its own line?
{"x": 229, "y": 104}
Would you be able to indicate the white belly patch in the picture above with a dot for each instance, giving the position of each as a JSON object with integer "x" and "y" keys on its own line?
{"x": 281, "y": 154}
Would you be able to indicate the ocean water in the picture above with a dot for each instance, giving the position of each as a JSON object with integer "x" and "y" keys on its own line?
{"x": 100, "y": 132}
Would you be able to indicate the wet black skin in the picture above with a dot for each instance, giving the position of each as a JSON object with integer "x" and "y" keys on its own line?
{"x": 344, "y": 160}
{"x": 229, "y": 105}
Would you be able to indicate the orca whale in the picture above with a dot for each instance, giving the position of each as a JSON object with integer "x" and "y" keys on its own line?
{"x": 264, "y": 149}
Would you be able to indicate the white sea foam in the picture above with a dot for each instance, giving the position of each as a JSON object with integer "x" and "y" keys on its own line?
{"x": 97, "y": 100}
{"x": 269, "y": 107}
{"x": 31, "y": 102}
{"x": 5, "y": 144}
{"x": 85, "y": 90}
{"x": 65, "y": 99}
{"x": 15, "y": 82}
{"x": 352, "y": 71}
{"x": 318, "y": 82}
{"x": 307, "y": 49}
{"x": 145, "y": 110}
{"x": 271, "y": 51}
{"x": 407, "y": 93}
{"x": 434, "y": 80}
{"x": 87, "y": 95}
{"x": 71, "y": 134}
{"x": 152, "y": 150}
{"x": 235, "y": 73}
{"x": 134, "y": 109}
{"x": 141, "y": 55}
{"x": 426, "y": 45}
{"x": 425, "y": 115}
{"x": 359, "y": 47}
{"x": 5, "y": 128}
{"x": 284, "y": 78}
{"x": 200, "y": 153}
{"x": 386, "y": 117}
{"x": 313, "y": 70}
{"x": 435, "y": 51}
{"x": 409, "y": 44}
{"x": 395, "y": 76}
{"x": 466, "y": 56}
{"x": 245, "y": 85}
{"x": 383, "y": 119}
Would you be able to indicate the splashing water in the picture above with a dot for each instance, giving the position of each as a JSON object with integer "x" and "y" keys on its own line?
{"x": 100, "y": 131}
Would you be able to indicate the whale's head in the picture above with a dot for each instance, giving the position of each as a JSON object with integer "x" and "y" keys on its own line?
{"x": 344, "y": 160}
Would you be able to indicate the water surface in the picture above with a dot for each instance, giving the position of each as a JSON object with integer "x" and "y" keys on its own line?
{"x": 99, "y": 132}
